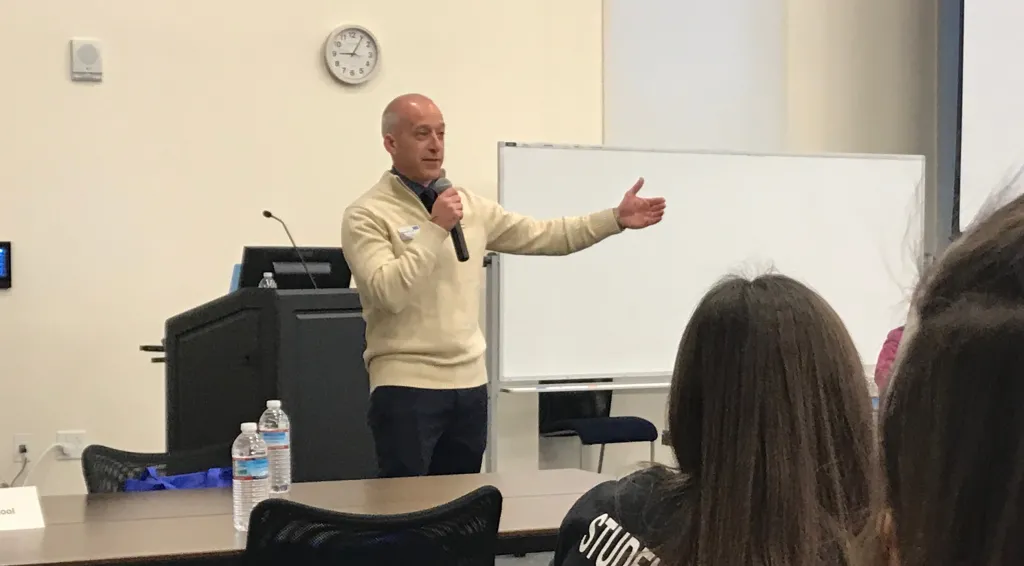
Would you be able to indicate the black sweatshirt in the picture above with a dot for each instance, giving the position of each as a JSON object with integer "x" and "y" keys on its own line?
{"x": 614, "y": 523}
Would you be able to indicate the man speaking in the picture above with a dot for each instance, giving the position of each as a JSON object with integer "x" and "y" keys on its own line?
{"x": 415, "y": 245}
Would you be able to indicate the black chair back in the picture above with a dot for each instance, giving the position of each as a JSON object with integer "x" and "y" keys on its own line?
{"x": 557, "y": 407}
{"x": 463, "y": 532}
{"x": 106, "y": 469}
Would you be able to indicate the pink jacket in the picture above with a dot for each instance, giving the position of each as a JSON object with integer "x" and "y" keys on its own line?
{"x": 886, "y": 358}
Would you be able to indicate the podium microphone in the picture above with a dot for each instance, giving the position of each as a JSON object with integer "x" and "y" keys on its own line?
{"x": 458, "y": 238}
{"x": 268, "y": 214}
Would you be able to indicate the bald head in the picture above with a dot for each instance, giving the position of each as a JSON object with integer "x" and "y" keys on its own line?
{"x": 407, "y": 107}
{"x": 413, "y": 131}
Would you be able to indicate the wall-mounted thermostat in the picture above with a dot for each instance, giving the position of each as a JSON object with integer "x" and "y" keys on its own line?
{"x": 86, "y": 60}
{"x": 5, "y": 265}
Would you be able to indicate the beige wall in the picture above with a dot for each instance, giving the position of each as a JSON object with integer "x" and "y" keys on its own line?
{"x": 128, "y": 201}
{"x": 862, "y": 78}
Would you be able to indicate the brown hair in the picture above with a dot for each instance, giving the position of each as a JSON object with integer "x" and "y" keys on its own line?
{"x": 771, "y": 425}
{"x": 988, "y": 258}
{"x": 953, "y": 437}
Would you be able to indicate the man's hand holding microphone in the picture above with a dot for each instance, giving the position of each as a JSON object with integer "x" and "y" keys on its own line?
{"x": 447, "y": 213}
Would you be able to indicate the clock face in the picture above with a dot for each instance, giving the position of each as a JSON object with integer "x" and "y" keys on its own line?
{"x": 351, "y": 54}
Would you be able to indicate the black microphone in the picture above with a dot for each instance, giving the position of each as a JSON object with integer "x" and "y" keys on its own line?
{"x": 458, "y": 239}
{"x": 268, "y": 214}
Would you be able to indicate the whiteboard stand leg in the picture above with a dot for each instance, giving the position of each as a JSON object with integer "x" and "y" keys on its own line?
{"x": 491, "y": 464}
{"x": 492, "y": 312}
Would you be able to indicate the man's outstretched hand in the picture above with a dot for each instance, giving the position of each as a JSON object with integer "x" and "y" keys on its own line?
{"x": 637, "y": 212}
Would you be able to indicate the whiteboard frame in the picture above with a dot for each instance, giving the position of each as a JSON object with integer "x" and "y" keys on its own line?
{"x": 824, "y": 154}
{"x": 495, "y": 306}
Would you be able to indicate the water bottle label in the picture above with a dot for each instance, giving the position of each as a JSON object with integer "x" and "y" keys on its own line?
{"x": 251, "y": 468}
{"x": 276, "y": 439}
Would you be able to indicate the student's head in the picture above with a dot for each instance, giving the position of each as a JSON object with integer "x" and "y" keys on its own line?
{"x": 988, "y": 258}
{"x": 956, "y": 372}
{"x": 952, "y": 432}
{"x": 771, "y": 421}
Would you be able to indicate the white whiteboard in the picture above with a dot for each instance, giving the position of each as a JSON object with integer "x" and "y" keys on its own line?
{"x": 991, "y": 148}
{"x": 851, "y": 227}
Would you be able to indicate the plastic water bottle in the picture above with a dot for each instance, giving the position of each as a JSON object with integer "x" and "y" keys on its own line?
{"x": 251, "y": 474}
{"x": 276, "y": 431}
{"x": 268, "y": 281}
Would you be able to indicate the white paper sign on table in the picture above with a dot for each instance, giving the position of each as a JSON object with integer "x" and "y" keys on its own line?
{"x": 20, "y": 509}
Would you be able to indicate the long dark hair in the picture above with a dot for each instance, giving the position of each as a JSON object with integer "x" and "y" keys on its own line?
{"x": 771, "y": 425}
{"x": 953, "y": 437}
{"x": 957, "y": 369}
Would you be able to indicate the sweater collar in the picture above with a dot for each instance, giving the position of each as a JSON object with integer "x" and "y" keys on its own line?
{"x": 417, "y": 188}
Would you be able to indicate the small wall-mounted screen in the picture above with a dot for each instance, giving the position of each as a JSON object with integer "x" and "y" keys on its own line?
{"x": 5, "y": 265}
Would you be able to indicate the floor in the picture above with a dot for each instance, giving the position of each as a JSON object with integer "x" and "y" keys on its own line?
{"x": 540, "y": 559}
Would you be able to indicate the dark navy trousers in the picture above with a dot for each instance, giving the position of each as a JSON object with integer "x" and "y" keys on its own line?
{"x": 419, "y": 432}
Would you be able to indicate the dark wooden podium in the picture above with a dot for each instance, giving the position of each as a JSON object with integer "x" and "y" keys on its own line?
{"x": 226, "y": 358}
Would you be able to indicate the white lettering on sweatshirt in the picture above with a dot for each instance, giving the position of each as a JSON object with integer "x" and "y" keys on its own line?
{"x": 614, "y": 546}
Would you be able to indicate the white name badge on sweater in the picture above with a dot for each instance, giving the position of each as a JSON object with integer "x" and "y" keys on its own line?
{"x": 408, "y": 233}
{"x": 20, "y": 509}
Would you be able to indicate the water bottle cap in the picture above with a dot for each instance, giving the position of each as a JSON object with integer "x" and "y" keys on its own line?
{"x": 274, "y": 404}
{"x": 248, "y": 427}
{"x": 268, "y": 274}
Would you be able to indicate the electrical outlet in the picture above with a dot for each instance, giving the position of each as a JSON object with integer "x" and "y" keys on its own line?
{"x": 21, "y": 439}
{"x": 73, "y": 443}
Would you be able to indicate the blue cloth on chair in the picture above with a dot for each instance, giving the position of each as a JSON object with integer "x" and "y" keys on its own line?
{"x": 151, "y": 480}
{"x": 610, "y": 430}
{"x": 236, "y": 277}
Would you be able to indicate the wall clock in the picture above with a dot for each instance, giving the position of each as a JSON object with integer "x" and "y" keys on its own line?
{"x": 352, "y": 54}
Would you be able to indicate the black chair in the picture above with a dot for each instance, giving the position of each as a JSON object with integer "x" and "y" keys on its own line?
{"x": 587, "y": 415}
{"x": 106, "y": 469}
{"x": 463, "y": 532}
